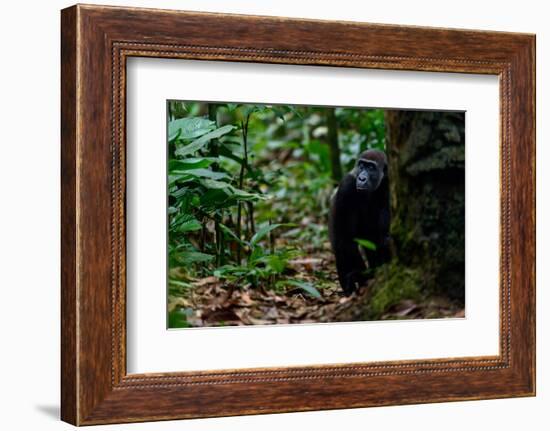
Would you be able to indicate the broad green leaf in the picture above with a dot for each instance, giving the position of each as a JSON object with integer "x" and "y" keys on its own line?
{"x": 181, "y": 218}
{"x": 207, "y": 173}
{"x": 179, "y": 283}
{"x": 305, "y": 286}
{"x": 256, "y": 256}
{"x": 192, "y": 256}
{"x": 180, "y": 177}
{"x": 247, "y": 196}
{"x": 263, "y": 232}
{"x": 276, "y": 262}
{"x": 365, "y": 243}
{"x": 226, "y": 271}
{"x": 189, "y": 128}
{"x": 203, "y": 140}
{"x": 179, "y": 192}
{"x": 179, "y": 247}
{"x": 216, "y": 198}
{"x": 214, "y": 184}
{"x": 226, "y": 152}
{"x": 189, "y": 226}
{"x": 190, "y": 163}
{"x": 232, "y": 234}
{"x": 174, "y": 136}
{"x": 184, "y": 176}
{"x": 191, "y": 148}
{"x": 248, "y": 110}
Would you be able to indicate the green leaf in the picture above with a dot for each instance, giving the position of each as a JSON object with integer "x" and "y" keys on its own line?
{"x": 205, "y": 173}
{"x": 216, "y": 198}
{"x": 305, "y": 286}
{"x": 180, "y": 177}
{"x": 214, "y": 184}
{"x": 178, "y": 193}
{"x": 177, "y": 319}
{"x": 365, "y": 243}
{"x": 280, "y": 112}
{"x": 276, "y": 262}
{"x": 264, "y": 231}
{"x": 247, "y": 196}
{"x": 232, "y": 234}
{"x": 186, "y": 257}
{"x": 230, "y": 271}
{"x": 248, "y": 110}
{"x": 190, "y": 163}
{"x": 189, "y": 226}
{"x": 191, "y": 148}
{"x": 175, "y": 136}
{"x": 184, "y": 176}
{"x": 189, "y": 128}
{"x": 256, "y": 256}
{"x": 179, "y": 283}
{"x": 226, "y": 152}
{"x": 203, "y": 140}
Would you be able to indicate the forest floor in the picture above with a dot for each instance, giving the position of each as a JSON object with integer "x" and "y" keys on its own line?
{"x": 211, "y": 302}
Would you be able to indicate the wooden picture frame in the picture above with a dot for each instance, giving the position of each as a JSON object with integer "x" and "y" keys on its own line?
{"x": 95, "y": 43}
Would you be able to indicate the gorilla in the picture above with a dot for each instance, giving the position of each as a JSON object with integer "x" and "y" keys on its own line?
{"x": 360, "y": 209}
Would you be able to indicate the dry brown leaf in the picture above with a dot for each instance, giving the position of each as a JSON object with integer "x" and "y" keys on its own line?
{"x": 205, "y": 281}
{"x": 256, "y": 321}
{"x": 242, "y": 299}
{"x": 222, "y": 315}
{"x": 404, "y": 308}
{"x": 174, "y": 302}
{"x": 195, "y": 319}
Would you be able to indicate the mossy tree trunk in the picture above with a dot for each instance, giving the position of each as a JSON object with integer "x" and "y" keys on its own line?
{"x": 427, "y": 187}
{"x": 427, "y": 179}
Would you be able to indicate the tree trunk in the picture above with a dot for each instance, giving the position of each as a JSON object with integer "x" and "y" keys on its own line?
{"x": 427, "y": 187}
{"x": 427, "y": 180}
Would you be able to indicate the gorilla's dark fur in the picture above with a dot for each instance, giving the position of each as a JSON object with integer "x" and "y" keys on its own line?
{"x": 360, "y": 209}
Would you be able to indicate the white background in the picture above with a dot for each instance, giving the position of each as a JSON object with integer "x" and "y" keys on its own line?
{"x": 151, "y": 348}
{"x": 29, "y": 227}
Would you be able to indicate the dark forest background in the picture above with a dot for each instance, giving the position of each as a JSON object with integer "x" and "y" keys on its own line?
{"x": 249, "y": 190}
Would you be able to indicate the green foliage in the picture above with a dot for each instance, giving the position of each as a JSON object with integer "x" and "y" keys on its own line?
{"x": 365, "y": 243}
{"x": 186, "y": 129}
{"x": 203, "y": 139}
{"x": 306, "y": 287}
{"x": 260, "y": 264}
{"x": 262, "y": 233}
{"x": 362, "y": 130}
{"x": 249, "y": 188}
{"x": 177, "y": 318}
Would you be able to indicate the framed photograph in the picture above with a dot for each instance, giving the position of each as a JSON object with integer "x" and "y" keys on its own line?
{"x": 264, "y": 215}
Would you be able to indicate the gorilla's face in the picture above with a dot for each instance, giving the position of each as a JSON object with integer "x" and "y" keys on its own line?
{"x": 368, "y": 175}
